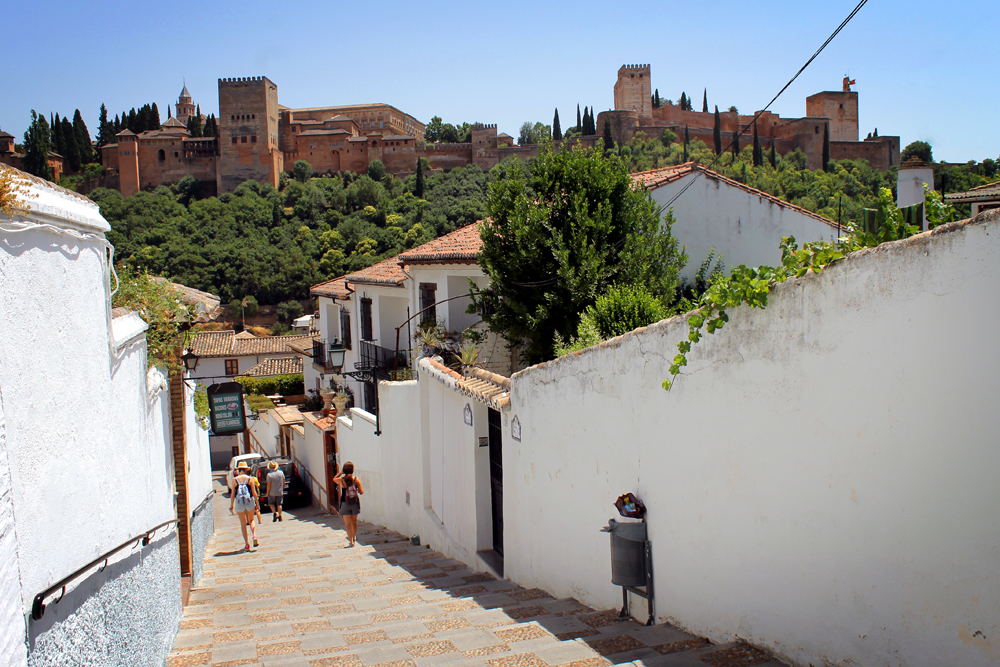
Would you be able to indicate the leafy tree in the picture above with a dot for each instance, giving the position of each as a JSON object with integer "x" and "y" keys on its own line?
{"x": 37, "y": 144}
{"x": 622, "y": 309}
{"x": 560, "y": 235}
{"x": 556, "y": 130}
{"x": 83, "y": 141}
{"x": 919, "y": 149}
{"x": 989, "y": 168}
{"x": 289, "y": 311}
{"x": 56, "y": 131}
{"x": 376, "y": 170}
{"x": 531, "y": 134}
{"x": 106, "y": 129}
{"x": 302, "y": 171}
{"x": 826, "y": 147}
{"x": 194, "y": 125}
{"x": 717, "y": 132}
{"x": 418, "y": 186}
{"x": 704, "y": 101}
{"x": 758, "y": 154}
{"x": 774, "y": 158}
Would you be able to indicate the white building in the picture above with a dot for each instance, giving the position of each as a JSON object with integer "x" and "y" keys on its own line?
{"x": 742, "y": 224}
{"x": 88, "y": 461}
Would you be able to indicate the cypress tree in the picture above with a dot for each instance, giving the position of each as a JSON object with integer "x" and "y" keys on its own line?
{"x": 194, "y": 125}
{"x": 704, "y": 102}
{"x": 684, "y": 102}
{"x": 687, "y": 141}
{"x": 154, "y": 117}
{"x": 656, "y": 99}
{"x": 579, "y": 124}
{"x": 418, "y": 187}
{"x": 556, "y": 130}
{"x": 736, "y": 144}
{"x": 133, "y": 122}
{"x": 72, "y": 150}
{"x": 58, "y": 138}
{"x": 774, "y": 158}
{"x": 83, "y": 140}
{"x": 37, "y": 144}
{"x": 758, "y": 155}
{"x": 717, "y": 132}
{"x": 168, "y": 113}
{"x": 609, "y": 140}
{"x": 826, "y": 147}
{"x": 105, "y": 129}
{"x": 116, "y": 128}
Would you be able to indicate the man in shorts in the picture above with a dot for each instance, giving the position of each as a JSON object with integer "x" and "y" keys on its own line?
{"x": 275, "y": 490}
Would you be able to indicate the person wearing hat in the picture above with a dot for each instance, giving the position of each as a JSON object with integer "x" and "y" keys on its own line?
{"x": 244, "y": 501}
{"x": 275, "y": 489}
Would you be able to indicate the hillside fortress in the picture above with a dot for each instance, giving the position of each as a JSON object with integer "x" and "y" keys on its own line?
{"x": 259, "y": 138}
{"x": 634, "y": 112}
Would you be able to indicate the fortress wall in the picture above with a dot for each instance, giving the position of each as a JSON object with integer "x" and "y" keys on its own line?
{"x": 248, "y": 132}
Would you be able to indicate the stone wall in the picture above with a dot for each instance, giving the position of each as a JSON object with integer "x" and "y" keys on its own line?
{"x": 842, "y": 110}
{"x": 633, "y": 90}
{"x": 202, "y": 529}
{"x": 248, "y": 132}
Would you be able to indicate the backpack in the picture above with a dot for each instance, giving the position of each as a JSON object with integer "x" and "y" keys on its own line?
{"x": 351, "y": 493}
{"x": 243, "y": 492}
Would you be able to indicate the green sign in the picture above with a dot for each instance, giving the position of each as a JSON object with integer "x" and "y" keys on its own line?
{"x": 225, "y": 408}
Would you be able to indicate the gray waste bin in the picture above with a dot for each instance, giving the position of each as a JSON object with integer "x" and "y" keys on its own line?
{"x": 628, "y": 553}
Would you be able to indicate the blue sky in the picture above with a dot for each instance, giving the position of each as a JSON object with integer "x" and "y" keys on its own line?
{"x": 924, "y": 70}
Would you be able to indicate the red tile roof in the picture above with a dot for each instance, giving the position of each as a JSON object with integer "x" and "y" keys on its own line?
{"x": 276, "y": 366}
{"x": 226, "y": 344}
{"x": 656, "y": 178}
{"x": 461, "y": 246}
{"x": 334, "y": 289}
{"x": 387, "y": 272}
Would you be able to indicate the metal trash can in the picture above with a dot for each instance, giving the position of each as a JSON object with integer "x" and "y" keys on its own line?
{"x": 628, "y": 553}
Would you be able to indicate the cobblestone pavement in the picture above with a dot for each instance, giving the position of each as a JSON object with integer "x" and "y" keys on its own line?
{"x": 302, "y": 599}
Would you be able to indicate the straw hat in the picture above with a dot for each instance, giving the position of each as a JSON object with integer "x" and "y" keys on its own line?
{"x": 272, "y": 465}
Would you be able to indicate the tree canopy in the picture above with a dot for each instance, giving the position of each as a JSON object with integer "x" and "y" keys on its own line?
{"x": 560, "y": 232}
{"x": 919, "y": 149}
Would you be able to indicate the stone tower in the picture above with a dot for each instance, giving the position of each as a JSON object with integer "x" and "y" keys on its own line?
{"x": 128, "y": 163}
{"x": 248, "y": 132}
{"x": 484, "y": 145}
{"x": 842, "y": 110}
{"x": 633, "y": 90}
{"x": 185, "y": 106}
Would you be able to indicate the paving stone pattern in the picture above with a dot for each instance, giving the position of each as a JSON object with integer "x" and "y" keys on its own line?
{"x": 303, "y": 599}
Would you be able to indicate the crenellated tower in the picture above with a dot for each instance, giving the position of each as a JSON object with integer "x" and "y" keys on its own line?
{"x": 633, "y": 91}
{"x": 248, "y": 132}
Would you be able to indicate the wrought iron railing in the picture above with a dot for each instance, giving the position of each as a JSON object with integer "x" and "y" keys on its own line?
{"x": 382, "y": 359}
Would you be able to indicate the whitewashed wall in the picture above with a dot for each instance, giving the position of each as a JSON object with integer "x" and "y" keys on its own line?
{"x": 266, "y": 431}
{"x": 88, "y": 447}
{"x": 743, "y": 227}
{"x": 822, "y": 480}
{"x": 198, "y": 453}
{"x": 13, "y": 650}
{"x": 311, "y": 454}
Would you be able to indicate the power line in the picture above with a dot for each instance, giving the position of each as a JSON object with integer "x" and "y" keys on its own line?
{"x": 829, "y": 39}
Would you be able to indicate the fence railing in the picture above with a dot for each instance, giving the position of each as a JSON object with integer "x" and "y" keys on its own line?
{"x": 383, "y": 359}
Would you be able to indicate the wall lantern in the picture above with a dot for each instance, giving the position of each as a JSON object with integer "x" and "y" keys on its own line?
{"x": 190, "y": 360}
{"x": 335, "y": 356}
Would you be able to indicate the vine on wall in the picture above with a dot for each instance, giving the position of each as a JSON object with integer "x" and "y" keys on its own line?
{"x": 747, "y": 286}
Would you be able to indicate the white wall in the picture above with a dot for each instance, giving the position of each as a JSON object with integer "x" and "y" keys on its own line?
{"x": 13, "y": 651}
{"x": 311, "y": 453}
{"x": 743, "y": 227}
{"x": 910, "y": 185}
{"x": 199, "y": 454}
{"x": 266, "y": 430}
{"x": 822, "y": 480}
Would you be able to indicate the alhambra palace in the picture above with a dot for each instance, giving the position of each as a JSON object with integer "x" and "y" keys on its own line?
{"x": 259, "y": 138}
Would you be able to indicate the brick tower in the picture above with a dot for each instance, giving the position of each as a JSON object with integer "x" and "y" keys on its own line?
{"x": 842, "y": 110}
{"x": 128, "y": 163}
{"x": 248, "y": 132}
{"x": 185, "y": 106}
{"x": 633, "y": 90}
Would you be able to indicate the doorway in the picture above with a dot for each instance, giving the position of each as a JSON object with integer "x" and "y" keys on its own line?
{"x": 332, "y": 490}
{"x": 496, "y": 479}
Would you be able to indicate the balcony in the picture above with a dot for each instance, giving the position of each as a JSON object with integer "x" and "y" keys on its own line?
{"x": 383, "y": 359}
{"x": 321, "y": 360}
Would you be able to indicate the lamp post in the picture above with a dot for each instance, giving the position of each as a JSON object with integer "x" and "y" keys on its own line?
{"x": 190, "y": 360}
{"x": 366, "y": 374}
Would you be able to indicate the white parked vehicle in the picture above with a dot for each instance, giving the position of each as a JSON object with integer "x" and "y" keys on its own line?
{"x": 249, "y": 459}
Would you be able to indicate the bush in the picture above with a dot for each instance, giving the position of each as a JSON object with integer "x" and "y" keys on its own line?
{"x": 286, "y": 385}
{"x": 289, "y": 310}
{"x": 257, "y": 403}
{"x": 302, "y": 171}
{"x": 625, "y": 308}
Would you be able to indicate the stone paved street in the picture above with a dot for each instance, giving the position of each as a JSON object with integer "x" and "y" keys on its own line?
{"x": 302, "y": 599}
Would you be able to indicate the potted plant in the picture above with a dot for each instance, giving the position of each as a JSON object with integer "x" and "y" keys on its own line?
{"x": 468, "y": 354}
{"x": 340, "y": 400}
{"x": 428, "y": 340}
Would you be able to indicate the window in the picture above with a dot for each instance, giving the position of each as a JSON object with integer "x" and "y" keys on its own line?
{"x": 161, "y": 156}
{"x": 345, "y": 327}
{"x": 427, "y": 301}
{"x": 243, "y": 140}
{"x": 366, "y": 319}
{"x": 234, "y": 140}
{"x": 175, "y": 153}
{"x": 253, "y": 139}
{"x": 232, "y": 367}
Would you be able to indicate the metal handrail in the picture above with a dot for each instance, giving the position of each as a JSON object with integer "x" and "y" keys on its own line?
{"x": 38, "y": 606}
{"x": 202, "y": 504}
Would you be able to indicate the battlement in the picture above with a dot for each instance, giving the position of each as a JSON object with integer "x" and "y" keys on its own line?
{"x": 634, "y": 67}
{"x": 242, "y": 79}
{"x": 484, "y": 126}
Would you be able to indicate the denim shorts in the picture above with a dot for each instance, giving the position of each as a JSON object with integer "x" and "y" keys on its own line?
{"x": 245, "y": 506}
{"x": 347, "y": 509}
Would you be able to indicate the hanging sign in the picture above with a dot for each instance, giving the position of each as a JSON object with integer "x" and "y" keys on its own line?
{"x": 225, "y": 408}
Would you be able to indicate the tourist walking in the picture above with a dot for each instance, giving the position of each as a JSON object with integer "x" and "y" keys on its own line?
{"x": 244, "y": 501}
{"x": 275, "y": 489}
{"x": 350, "y": 504}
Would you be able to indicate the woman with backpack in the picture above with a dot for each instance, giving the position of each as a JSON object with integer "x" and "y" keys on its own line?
{"x": 350, "y": 504}
{"x": 244, "y": 500}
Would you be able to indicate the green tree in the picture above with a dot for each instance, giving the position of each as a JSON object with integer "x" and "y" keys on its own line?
{"x": 289, "y": 310}
{"x": 717, "y": 132}
{"x": 918, "y": 149}
{"x": 302, "y": 171}
{"x": 736, "y": 144}
{"x": 37, "y": 144}
{"x": 211, "y": 128}
{"x": 609, "y": 140}
{"x": 684, "y": 102}
{"x": 105, "y": 129}
{"x": 83, "y": 140}
{"x": 774, "y": 158}
{"x": 687, "y": 143}
{"x": 704, "y": 101}
{"x": 656, "y": 99}
{"x": 376, "y": 170}
{"x": 194, "y": 125}
{"x": 556, "y": 130}
{"x": 557, "y": 237}
{"x": 433, "y": 129}
{"x": 989, "y": 167}
{"x": 826, "y": 147}
{"x": 71, "y": 149}
{"x": 758, "y": 154}
{"x": 154, "y": 117}
{"x": 418, "y": 186}
{"x": 579, "y": 123}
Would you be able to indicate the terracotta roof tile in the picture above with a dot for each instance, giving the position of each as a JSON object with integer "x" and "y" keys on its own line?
{"x": 335, "y": 289}
{"x": 461, "y": 246}
{"x": 226, "y": 344}
{"x": 656, "y": 178}
{"x": 305, "y": 346}
{"x": 386, "y": 272}
{"x": 981, "y": 193}
{"x": 486, "y": 387}
{"x": 276, "y": 366}
{"x": 213, "y": 343}
{"x": 267, "y": 344}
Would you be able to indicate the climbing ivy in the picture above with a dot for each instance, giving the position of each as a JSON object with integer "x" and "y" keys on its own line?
{"x": 747, "y": 286}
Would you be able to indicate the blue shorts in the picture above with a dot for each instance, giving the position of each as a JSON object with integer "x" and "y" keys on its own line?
{"x": 244, "y": 506}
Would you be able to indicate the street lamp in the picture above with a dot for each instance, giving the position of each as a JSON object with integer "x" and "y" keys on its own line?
{"x": 190, "y": 360}
{"x": 335, "y": 356}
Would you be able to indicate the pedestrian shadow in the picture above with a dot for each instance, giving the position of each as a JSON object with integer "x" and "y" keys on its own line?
{"x": 231, "y": 553}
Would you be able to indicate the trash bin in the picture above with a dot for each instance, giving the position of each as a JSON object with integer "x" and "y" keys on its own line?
{"x": 628, "y": 553}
